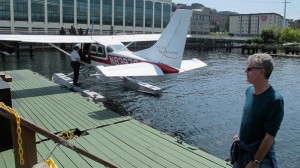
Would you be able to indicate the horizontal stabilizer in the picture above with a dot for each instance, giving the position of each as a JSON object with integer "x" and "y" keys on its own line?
{"x": 137, "y": 69}
{"x": 187, "y": 65}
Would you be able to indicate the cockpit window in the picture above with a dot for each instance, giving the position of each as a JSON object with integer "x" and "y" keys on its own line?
{"x": 100, "y": 50}
{"x": 109, "y": 49}
{"x": 93, "y": 49}
{"x": 118, "y": 47}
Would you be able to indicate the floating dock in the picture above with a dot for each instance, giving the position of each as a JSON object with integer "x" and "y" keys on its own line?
{"x": 119, "y": 140}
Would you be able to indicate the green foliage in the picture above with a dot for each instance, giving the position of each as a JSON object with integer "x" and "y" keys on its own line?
{"x": 230, "y": 34}
{"x": 270, "y": 34}
{"x": 289, "y": 35}
{"x": 173, "y": 7}
{"x": 274, "y": 34}
{"x": 258, "y": 40}
{"x": 227, "y": 24}
{"x": 249, "y": 41}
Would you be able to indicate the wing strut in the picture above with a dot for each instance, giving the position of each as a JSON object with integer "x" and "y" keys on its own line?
{"x": 60, "y": 49}
{"x": 68, "y": 54}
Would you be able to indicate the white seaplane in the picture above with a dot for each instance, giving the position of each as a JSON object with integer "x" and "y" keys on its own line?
{"x": 111, "y": 57}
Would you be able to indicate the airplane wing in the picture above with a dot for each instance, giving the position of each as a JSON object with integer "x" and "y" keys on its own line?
{"x": 47, "y": 38}
{"x": 79, "y": 39}
{"x": 136, "y": 69}
{"x": 187, "y": 65}
{"x": 137, "y": 37}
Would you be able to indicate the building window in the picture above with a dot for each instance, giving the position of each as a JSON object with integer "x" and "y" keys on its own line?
{"x": 118, "y": 12}
{"x": 129, "y": 13}
{"x": 157, "y": 17}
{"x": 4, "y": 9}
{"x": 82, "y": 11}
{"x": 166, "y": 14}
{"x": 149, "y": 14}
{"x": 206, "y": 18}
{"x": 37, "y": 11}
{"x": 21, "y": 10}
{"x": 53, "y": 10}
{"x": 68, "y": 11}
{"x": 107, "y": 12}
{"x": 95, "y": 12}
{"x": 139, "y": 15}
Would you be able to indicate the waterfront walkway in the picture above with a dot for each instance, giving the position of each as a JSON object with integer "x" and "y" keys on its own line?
{"x": 117, "y": 139}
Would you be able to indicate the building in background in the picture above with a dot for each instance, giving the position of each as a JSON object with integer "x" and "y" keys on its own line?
{"x": 295, "y": 23}
{"x": 251, "y": 25}
{"x": 201, "y": 21}
{"x": 104, "y": 16}
{"x": 206, "y": 20}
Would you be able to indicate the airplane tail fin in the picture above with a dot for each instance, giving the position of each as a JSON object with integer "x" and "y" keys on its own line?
{"x": 170, "y": 46}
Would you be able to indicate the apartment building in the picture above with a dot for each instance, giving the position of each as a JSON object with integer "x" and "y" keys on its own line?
{"x": 204, "y": 19}
{"x": 253, "y": 24}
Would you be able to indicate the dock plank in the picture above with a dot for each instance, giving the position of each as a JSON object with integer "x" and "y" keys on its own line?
{"x": 116, "y": 146}
{"x": 138, "y": 151}
{"x": 139, "y": 146}
{"x": 117, "y": 139}
{"x": 65, "y": 156}
{"x": 7, "y": 158}
{"x": 170, "y": 153}
{"x": 172, "y": 144}
{"x": 144, "y": 141}
{"x": 63, "y": 108}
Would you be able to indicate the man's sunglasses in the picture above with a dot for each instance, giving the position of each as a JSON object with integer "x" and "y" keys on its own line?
{"x": 250, "y": 68}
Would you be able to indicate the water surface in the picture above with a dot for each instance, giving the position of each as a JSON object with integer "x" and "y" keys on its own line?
{"x": 202, "y": 107}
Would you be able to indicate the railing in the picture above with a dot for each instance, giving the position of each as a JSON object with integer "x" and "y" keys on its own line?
{"x": 26, "y": 32}
{"x": 28, "y": 137}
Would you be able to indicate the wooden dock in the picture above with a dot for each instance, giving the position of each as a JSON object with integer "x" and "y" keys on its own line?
{"x": 117, "y": 139}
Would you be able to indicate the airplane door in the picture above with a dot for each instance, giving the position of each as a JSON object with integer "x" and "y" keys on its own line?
{"x": 98, "y": 51}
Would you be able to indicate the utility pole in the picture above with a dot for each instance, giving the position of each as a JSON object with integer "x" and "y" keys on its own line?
{"x": 284, "y": 12}
{"x": 93, "y": 17}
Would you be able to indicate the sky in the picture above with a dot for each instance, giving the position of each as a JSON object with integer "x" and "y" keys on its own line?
{"x": 251, "y": 6}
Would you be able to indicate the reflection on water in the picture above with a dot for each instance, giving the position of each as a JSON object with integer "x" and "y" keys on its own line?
{"x": 202, "y": 107}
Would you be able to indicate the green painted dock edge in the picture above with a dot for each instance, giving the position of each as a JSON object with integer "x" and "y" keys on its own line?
{"x": 117, "y": 139}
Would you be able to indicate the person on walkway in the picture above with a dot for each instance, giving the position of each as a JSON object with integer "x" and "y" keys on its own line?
{"x": 262, "y": 116}
{"x": 75, "y": 63}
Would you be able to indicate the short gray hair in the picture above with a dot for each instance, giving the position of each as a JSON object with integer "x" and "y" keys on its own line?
{"x": 264, "y": 61}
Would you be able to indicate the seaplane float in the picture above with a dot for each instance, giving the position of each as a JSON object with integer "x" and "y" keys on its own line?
{"x": 6, "y": 49}
{"x": 111, "y": 58}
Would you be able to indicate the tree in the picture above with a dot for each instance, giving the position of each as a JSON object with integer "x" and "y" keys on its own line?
{"x": 174, "y": 7}
{"x": 289, "y": 35}
{"x": 226, "y": 24}
{"x": 268, "y": 36}
{"x": 271, "y": 34}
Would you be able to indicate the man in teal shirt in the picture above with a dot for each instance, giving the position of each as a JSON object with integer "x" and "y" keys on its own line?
{"x": 262, "y": 115}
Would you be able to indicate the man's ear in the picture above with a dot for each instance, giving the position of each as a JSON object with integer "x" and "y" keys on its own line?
{"x": 262, "y": 72}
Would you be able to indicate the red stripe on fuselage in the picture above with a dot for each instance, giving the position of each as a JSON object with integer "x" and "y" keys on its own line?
{"x": 117, "y": 60}
{"x": 166, "y": 68}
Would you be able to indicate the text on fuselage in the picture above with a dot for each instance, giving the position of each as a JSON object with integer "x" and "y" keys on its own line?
{"x": 121, "y": 60}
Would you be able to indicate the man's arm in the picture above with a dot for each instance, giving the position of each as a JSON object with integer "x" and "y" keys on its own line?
{"x": 263, "y": 149}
